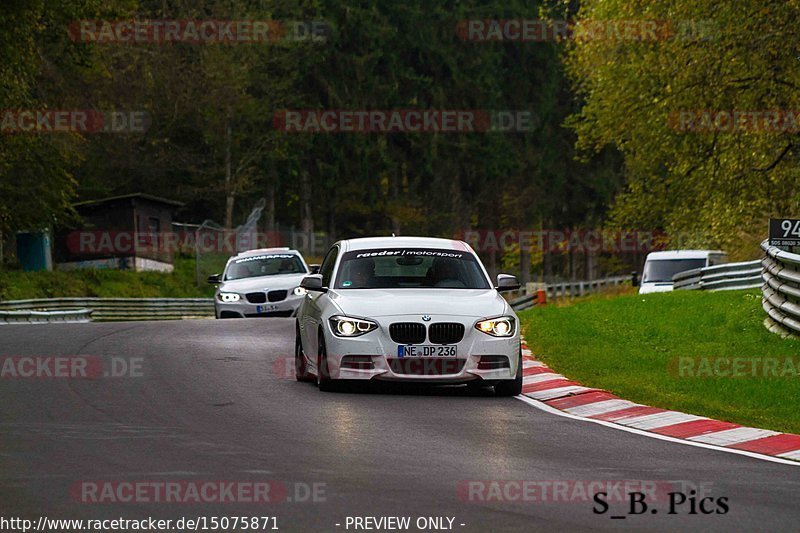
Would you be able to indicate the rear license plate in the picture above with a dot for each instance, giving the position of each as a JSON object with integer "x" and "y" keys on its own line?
{"x": 426, "y": 350}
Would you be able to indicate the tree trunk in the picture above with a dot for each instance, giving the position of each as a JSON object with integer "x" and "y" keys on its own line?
{"x": 331, "y": 238}
{"x": 394, "y": 193}
{"x": 547, "y": 258}
{"x": 229, "y": 188}
{"x": 573, "y": 274}
{"x": 307, "y": 216}
{"x": 524, "y": 265}
{"x": 457, "y": 207}
{"x": 271, "y": 204}
{"x": 492, "y": 266}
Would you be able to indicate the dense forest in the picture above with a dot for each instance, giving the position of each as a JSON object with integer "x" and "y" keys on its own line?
{"x": 600, "y": 149}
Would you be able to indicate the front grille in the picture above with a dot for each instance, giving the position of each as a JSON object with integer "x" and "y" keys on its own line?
{"x": 407, "y": 332}
{"x": 426, "y": 366}
{"x": 256, "y": 297}
{"x": 277, "y": 296}
{"x": 446, "y": 333}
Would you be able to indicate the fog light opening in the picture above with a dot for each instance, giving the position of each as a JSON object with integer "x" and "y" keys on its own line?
{"x": 358, "y": 362}
{"x": 493, "y": 362}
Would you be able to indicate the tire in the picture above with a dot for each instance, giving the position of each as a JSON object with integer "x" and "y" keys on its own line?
{"x": 300, "y": 366}
{"x": 511, "y": 387}
{"x": 324, "y": 381}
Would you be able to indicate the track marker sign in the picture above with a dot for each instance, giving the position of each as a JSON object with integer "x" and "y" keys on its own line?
{"x": 784, "y": 232}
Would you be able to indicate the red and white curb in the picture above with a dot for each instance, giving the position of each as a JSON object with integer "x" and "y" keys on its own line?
{"x": 556, "y": 393}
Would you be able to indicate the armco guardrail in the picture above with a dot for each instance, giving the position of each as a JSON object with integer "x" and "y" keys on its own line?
{"x": 781, "y": 290}
{"x": 45, "y": 317}
{"x": 528, "y": 300}
{"x": 730, "y": 276}
{"x": 110, "y": 309}
{"x": 554, "y": 291}
{"x": 582, "y": 288}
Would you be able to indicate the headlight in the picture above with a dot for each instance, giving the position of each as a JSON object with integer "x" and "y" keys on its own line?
{"x": 345, "y": 326}
{"x": 497, "y": 327}
{"x": 229, "y": 297}
{"x": 299, "y": 291}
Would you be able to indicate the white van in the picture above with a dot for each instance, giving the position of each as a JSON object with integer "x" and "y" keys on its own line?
{"x": 659, "y": 267}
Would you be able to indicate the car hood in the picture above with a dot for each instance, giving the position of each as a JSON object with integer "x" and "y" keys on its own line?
{"x": 261, "y": 283}
{"x": 392, "y": 302}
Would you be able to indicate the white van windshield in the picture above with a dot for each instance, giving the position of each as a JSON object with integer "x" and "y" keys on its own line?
{"x": 662, "y": 270}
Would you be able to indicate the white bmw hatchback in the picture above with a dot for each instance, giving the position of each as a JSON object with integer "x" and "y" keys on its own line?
{"x": 407, "y": 309}
{"x": 261, "y": 283}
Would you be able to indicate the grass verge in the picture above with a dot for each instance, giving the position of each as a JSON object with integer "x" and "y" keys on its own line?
{"x": 631, "y": 346}
{"x": 17, "y": 285}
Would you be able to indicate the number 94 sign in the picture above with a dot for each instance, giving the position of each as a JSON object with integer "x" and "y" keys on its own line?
{"x": 784, "y": 232}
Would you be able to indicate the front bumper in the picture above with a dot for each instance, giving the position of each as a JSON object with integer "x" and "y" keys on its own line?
{"x": 388, "y": 366}
{"x": 244, "y": 309}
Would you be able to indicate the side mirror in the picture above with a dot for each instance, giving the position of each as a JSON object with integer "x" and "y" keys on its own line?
{"x": 507, "y": 282}
{"x": 215, "y": 279}
{"x": 635, "y": 279}
{"x": 312, "y": 283}
{"x": 314, "y": 268}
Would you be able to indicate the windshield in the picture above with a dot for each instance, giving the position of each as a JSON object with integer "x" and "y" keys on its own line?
{"x": 400, "y": 268}
{"x": 662, "y": 270}
{"x": 265, "y": 265}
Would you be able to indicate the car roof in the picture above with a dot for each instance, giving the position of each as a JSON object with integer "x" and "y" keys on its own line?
{"x": 683, "y": 254}
{"x": 366, "y": 243}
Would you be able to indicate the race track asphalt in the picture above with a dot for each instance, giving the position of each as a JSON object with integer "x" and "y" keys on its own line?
{"x": 216, "y": 400}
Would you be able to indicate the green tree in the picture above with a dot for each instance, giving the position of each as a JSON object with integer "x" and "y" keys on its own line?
{"x": 38, "y": 65}
{"x": 716, "y": 188}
